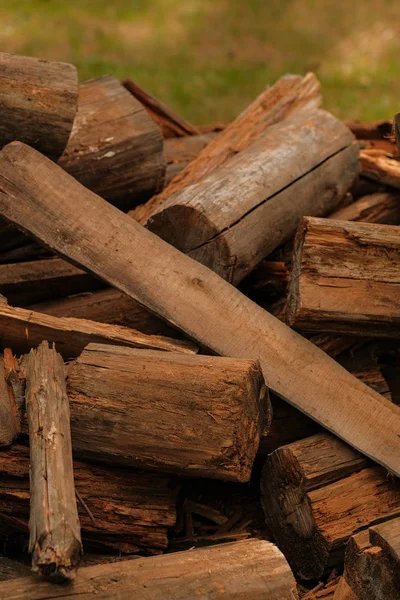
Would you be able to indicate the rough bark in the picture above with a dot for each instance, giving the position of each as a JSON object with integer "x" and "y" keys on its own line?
{"x": 77, "y": 224}
{"x": 381, "y": 167}
{"x": 252, "y": 569}
{"x": 318, "y": 492}
{"x": 9, "y": 399}
{"x": 171, "y": 124}
{"x": 24, "y": 329}
{"x": 120, "y": 510}
{"x": 38, "y": 101}
{"x": 197, "y": 416}
{"x": 115, "y": 149}
{"x": 345, "y": 278}
{"x": 55, "y": 534}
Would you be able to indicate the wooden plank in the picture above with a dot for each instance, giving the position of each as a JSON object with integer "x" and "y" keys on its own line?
{"x": 92, "y": 233}
{"x": 115, "y": 148}
{"x": 345, "y": 278}
{"x": 38, "y": 101}
{"x": 55, "y": 533}
{"x": 251, "y": 569}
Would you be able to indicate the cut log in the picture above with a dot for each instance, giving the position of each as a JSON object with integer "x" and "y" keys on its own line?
{"x": 38, "y": 101}
{"x": 55, "y": 533}
{"x": 108, "y": 306}
{"x": 38, "y": 280}
{"x": 241, "y": 212}
{"x": 171, "y": 124}
{"x": 24, "y": 329}
{"x": 95, "y": 235}
{"x": 382, "y": 208}
{"x": 180, "y": 151}
{"x": 120, "y": 510}
{"x": 318, "y": 492}
{"x": 9, "y": 409}
{"x": 377, "y": 165}
{"x": 197, "y": 416}
{"x": 115, "y": 148}
{"x": 252, "y": 569}
{"x": 290, "y": 94}
{"x": 359, "y": 265}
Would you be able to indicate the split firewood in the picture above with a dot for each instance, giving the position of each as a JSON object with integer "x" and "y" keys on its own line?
{"x": 108, "y": 306}
{"x": 9, "y": 407}
{"x": 179, "y": 151}
{"x": 95, "y": 235}
{"x": 381, "y": 207}
{"x": 380, "y": 167}
{"x": 318, "y": 492}
{"x": 26, "y": 283}
{"x": 323, "y": 591}
{"x": 171, "y": 124}
{"x": 38, "y": 101}
{"x": 115, "y": 148}
{"x": 371, "y": 130}
{"x": 359, "y": 265}
{"x": 196, "y": 415}
{"x": 229, "y": 230}
{"x": 372, "y": 564}
{"x": 251, "y": 569}
{"x": 120, "y": 510}
{"x": 55, "y": 534}
{"x": 24, "y": 329}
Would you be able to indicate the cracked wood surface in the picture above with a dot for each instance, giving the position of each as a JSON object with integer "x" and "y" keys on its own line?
{"x": 89, "y": 232}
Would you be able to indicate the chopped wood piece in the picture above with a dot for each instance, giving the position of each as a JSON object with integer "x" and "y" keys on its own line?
{"x": 371, "y": 130}
{"x": 38, "y": 280}
{"x": 318, "y": 492}
{"x": 24, "y": 329}
{"x": 345, "y": 278}
{"x": 229, "y": 230}
{"x": 108, "y": 306}
{"x": 9, "y": 409}
{"x": 115, "y": 149}
{"x": 251, "y": 569}
{"x": 382, "y": 207}
{"x": 326, "y": 591}
{"x": 377, "y": 165}
{"x": 38, "y": 101}
{"x": 55, "y": 535}
{"x": 131, "y": 510}
{"x": 171, "y": 124}
{"x": 95, "y": 235}
{"x": 180, "y": 151}
{"x": 199, "y": 416}
{"x": 344, "y": 592}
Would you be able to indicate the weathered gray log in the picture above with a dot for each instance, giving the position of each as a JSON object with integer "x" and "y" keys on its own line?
{"x": 252, "y": 569}
{"x": 38, "y": 101}
{"x": 345, "y": 278}
{"x": 9, "y": 408}
{"x": 92, "y": 233}
{"x": 55, "y": 533}
{"x": 115, "y": 148}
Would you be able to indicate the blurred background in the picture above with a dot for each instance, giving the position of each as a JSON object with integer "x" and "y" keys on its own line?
{"x": 209, "y": 58}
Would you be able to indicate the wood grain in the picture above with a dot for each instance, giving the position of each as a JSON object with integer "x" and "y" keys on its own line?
{"x": 9, "y": 410}
{"x": 378, "y": 166}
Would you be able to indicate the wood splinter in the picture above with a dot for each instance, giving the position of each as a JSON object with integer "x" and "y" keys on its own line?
{"x": 55, "y": 537}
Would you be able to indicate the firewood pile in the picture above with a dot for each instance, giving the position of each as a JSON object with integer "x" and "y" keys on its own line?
{"x": 200, "y": 360}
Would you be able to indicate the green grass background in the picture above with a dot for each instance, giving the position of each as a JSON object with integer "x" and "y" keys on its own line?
{"x": 209, "y": 58}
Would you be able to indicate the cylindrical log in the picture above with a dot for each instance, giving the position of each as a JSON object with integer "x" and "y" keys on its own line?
{"x": 252, "y": 570}
{"x": 115, "y": 148}
{"x": 55, "y": 533}
{"x": 38, "y": 100}
{"x": 200, "y": 416}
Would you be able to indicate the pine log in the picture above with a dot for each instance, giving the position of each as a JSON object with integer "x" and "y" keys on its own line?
{"x": 24, "y": 329}
{"x": 55, "y": 533}
{"x": 241, "y": 212}
{"x": 38, "y": 280}
{"x": 38, "y": 101}
{"x": 93, "y": 234}
{"x": 252, "y": 569}
{"x": 318, "y": 492}
{"x": 9, "y": 409}
{"x": 180, "y": 151}
{"x": 359, "y": 265}
{"x": 193, "y": 415}
{"x": 108, "y": 306}
{"x": 115, "y": 148}
{"x": 289, "y": 95}
{"x": 120, "y": 510}
{"x": 381, "y": 167}
{"x": 381, "y": 207}
{"x": 170, "y": 123}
